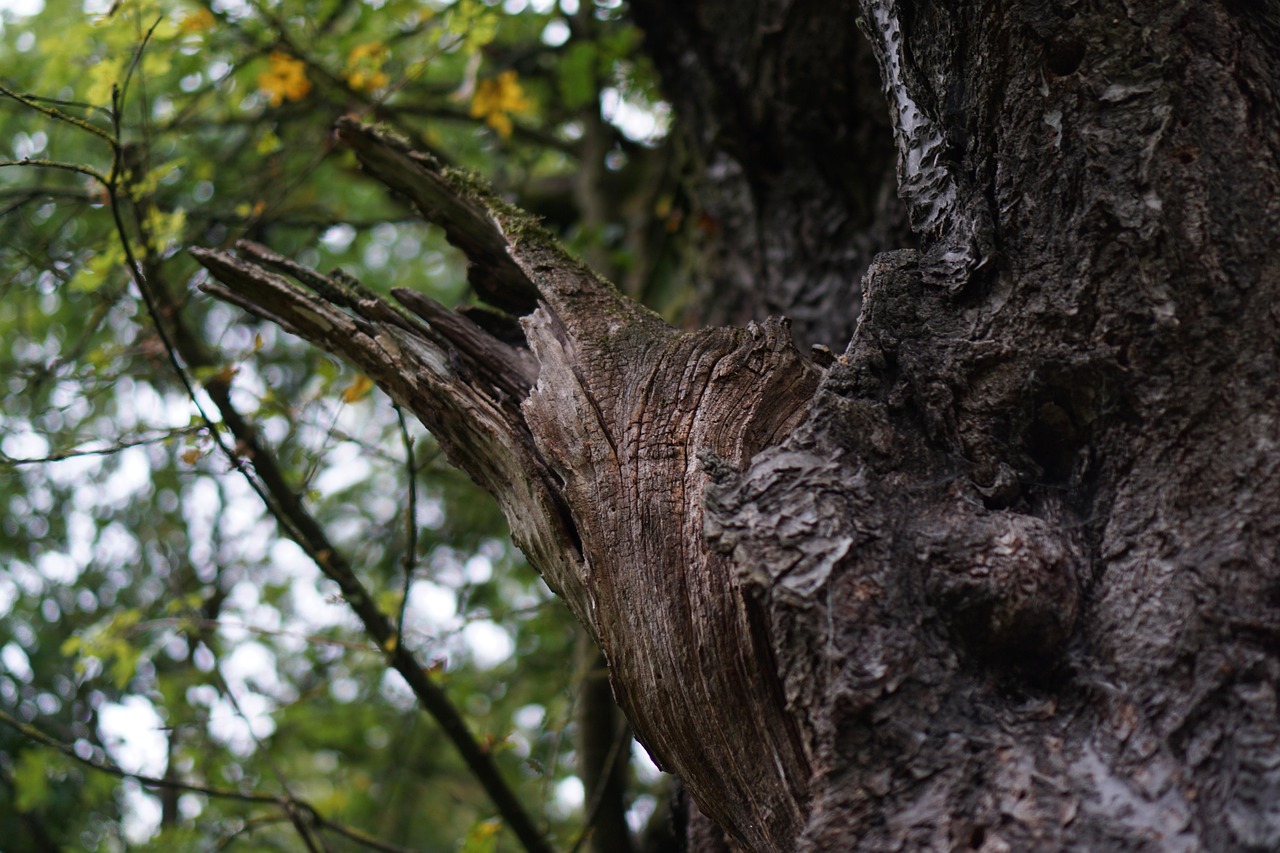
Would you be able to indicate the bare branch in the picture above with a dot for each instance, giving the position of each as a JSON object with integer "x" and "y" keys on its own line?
{"x": 31, "y": 732}
{"x": 60, "y": 165}
{"x": 59, "y": 115}
{"x": 100, "y": 451}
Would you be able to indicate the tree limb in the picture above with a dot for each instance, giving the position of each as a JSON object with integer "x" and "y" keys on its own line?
{"x": 592, "y": 440}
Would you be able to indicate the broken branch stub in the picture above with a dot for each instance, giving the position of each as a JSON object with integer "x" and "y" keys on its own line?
{"x": 591, "y": 437}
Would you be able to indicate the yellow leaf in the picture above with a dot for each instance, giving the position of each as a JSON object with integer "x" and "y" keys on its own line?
{"x": 191, "y": 455}
{"x": 284, "y": 79}
{"x": 496, "y": 98}
{"x": 124, "y": 665}
{"x": 357, "y": 390}
{"x": 483, "y": 837}
{"x": 370, "y": 50}
{"x": 474, "y": 21}
{"x": 197, "y": 22}
{"x": 125, "y": 620}
{"x": 364, "y": 66}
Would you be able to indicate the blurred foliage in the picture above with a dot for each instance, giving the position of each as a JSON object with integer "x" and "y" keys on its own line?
{"x": 153, "y": 618}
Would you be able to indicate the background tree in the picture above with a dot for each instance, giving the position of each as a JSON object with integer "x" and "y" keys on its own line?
{"x": 1001, "y": 575}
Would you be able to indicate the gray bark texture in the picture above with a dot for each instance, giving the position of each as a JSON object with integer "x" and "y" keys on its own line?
{"x": 1005, "y": 574}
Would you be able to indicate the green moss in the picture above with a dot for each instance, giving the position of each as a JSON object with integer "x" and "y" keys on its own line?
{"x": 390, "y": 135}
{"x": 526, "y": 232}
{"x": 468, "y": 184}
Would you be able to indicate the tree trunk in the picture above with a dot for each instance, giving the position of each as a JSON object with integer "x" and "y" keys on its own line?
{"x": 1002, "y": 576}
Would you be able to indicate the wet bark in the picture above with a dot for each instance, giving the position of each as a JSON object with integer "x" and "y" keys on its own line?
{"x": 1004, "y": 575}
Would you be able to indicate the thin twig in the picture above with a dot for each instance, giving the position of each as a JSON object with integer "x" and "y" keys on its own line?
{"x": 6, "y": 460}
{"x": 58, "y": 164}
{"x": 296, "y": 810}
{"x": 410, "y": 523}
{"x": 286, "y": 507}
{"x": 21, "y": 196}
{"x": 148, "y": 299}
{"x": 251, "y": 824}
{"x": 142, "y": 282}
{"x": 357, "y": 835}
{"x": 137, "y": 58}
{"x": 59, "y": 115}
{"x": 31, "y": 732}
{"x": 310, "y": 814}
{"x": 224, "y": 624}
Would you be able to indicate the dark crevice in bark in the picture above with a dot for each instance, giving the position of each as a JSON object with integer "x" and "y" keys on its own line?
{"x": 793, "y": 177}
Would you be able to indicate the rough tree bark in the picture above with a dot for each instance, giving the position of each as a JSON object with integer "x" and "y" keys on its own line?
{"x": 1004, "y": 575}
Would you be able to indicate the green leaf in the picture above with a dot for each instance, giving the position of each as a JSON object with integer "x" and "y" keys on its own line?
{"x": 102, "y": 76}
{"x": 31, "y": 780}
{"x": 578, "y": 79}
{"x": 93, "y": 275}
{"x": 124, "y": 663}
{"x": 151, "y": 181}
{"x": 474, "y": 22}
{"x": 268, "y": 143}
